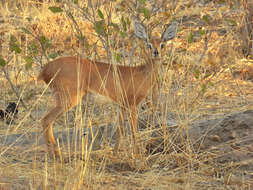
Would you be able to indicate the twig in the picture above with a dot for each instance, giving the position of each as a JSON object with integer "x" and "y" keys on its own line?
{"x": 42, "y": 47}
{"x": 206, "y": 45}
{"x": 82, "y": 37}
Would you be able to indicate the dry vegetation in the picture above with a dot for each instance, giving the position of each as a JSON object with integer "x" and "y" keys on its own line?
{"x": 206, "y": 84}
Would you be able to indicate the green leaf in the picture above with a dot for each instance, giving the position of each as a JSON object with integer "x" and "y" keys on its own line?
{"x": 14, "y": 46}
{"x": 33, "y": 48}
{"x": 45, "y": 41}
{"x": 28, "y": 59}
{"x": 100, "y": 14}
{"x": 29, "y": 19}
{"x": 202, "y": 32}
{"x": 115, "y": 26}
{"x": 128, "y": 21}
{"x": 2, "y": 62}
{"x": 221, "y": 1}
{"x": 25, "y": 30}
{"x": 146, "y": 13}
{"x": 123, "y": 34}
{"x": 206, "y": 19}
{"x": 190, "y": 37}
{"x": 203, "y": 88}
{"x": 75, "y": 1}
{"x": 55, "y": 9}
{"x": 53, "y": 55}
{"x": 117, "y": 57}
{"x": 196, "y": 73}
{"x": 124, "y": 24}
{"x": 211, "y": 84}
{"x": 230, "y": 22}
{"x": 99, "y": 27}
{"x": 28, "y": 66}
{"x": 142, "y": 1}
{"x": 87, "y": 46}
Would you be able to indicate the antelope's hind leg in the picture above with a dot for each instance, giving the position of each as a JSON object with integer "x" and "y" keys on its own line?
{"x": 47, "y": 124}
{"x": 63, "y": 104}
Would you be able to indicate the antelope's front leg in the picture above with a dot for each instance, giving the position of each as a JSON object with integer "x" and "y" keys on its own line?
{"x": 134, "y": 126}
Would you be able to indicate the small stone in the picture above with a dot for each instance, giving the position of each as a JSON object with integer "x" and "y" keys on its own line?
{"x": 250, "y": 147}
{"x": 233, "y": 135}
{"x": 215, "y": 138}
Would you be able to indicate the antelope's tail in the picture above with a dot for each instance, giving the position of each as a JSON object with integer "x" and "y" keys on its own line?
{"x": 41, "y": 76}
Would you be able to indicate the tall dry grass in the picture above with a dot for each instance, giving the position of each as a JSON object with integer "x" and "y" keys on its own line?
{"x": 191, "y": 89}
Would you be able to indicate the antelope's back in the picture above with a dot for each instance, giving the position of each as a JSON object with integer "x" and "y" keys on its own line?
{"x": 61, "y": 69}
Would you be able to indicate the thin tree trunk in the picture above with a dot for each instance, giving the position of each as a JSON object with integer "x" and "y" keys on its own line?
{"x": 248, "y": 28}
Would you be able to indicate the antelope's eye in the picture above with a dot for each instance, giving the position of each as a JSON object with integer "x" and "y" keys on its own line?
{"x": 162, "y": 45}
{"x": 150, "y": 46}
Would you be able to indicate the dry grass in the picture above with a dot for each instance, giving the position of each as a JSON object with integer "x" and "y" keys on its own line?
{"x": 179, "y": 166}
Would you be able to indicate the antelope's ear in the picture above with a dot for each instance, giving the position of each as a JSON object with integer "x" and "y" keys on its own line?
{"x": 140, "y": 31}
{"x": 170, "y": 31}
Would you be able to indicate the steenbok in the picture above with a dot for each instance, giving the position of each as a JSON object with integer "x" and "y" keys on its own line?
{"x": 70, "y": 78}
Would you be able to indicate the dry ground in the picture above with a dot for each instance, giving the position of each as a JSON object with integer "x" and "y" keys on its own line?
{"x": 193, "y": 140}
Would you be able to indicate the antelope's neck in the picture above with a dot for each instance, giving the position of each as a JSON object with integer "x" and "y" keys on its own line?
{"x": 151, "y": 67}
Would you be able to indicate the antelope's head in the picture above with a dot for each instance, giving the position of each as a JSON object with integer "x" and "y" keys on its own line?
{"x": 155, "y": 44}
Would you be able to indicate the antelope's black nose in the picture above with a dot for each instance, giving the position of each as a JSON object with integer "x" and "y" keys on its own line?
{"x": 156, "y": 53}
